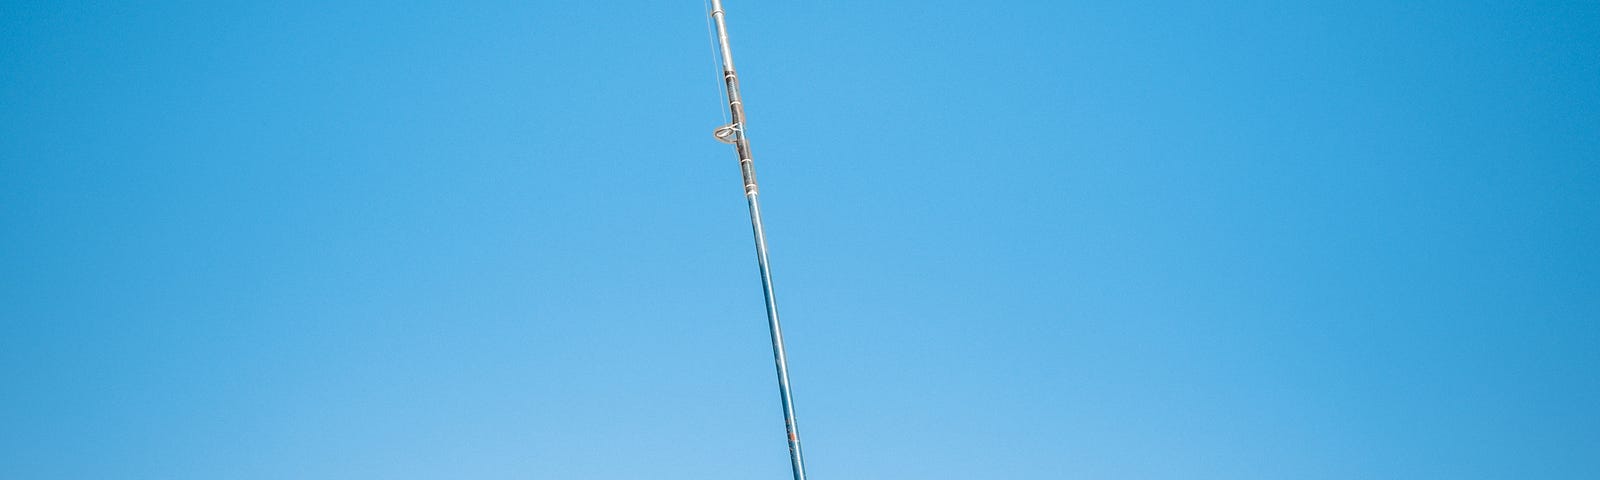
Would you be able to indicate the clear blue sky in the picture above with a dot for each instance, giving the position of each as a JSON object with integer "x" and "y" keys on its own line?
{"x": 1121, "y": 240}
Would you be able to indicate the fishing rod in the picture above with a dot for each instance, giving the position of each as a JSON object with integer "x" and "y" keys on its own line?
{"x": 733, "y": 133}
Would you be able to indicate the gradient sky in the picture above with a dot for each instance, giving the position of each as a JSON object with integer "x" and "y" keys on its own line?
{"x": 1119, "y": 240}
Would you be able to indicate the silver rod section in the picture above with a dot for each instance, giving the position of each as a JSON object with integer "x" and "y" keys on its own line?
{"x": 747, "y": 170}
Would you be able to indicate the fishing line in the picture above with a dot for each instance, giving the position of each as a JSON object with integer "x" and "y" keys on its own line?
{"x": 716, "y": 68}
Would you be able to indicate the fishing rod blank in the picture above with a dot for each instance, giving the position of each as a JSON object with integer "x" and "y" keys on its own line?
{"x": 733, "y": 133}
